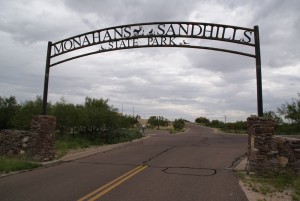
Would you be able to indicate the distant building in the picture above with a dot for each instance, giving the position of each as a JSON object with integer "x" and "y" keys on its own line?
{"x": 142, "y": 121}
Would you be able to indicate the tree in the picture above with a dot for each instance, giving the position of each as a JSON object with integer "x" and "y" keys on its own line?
{"x": 152, "y": 121}
{"x": 26, "y": 111}
{"x": 158, "y": 121}
{"x": 178, "y": 124}
{"x": 8, "y": 109}
{"x": 202, "y": 120}
{"x": 272, "y": 115}
{"x": 95, "y": 111}
{"x": 126, "y": 121}
{"x": 65, "y": 114}
{"x": 291, "y": 111}
{"x": 241, "y": 125}
{"x": 217, "y": 124}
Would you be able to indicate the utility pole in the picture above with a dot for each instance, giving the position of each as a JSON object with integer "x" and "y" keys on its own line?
{"x": 133, "y": 111}
{"x": 225, "y": 119}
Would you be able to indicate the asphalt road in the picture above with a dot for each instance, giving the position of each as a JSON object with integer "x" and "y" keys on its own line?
{"x": 183, "y": 167}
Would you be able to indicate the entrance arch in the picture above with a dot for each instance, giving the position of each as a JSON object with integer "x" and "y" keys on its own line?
{"x": 155, "y": 34}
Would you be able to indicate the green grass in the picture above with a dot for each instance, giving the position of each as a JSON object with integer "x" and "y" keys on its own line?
{"x": 273, "y": 183}
{"x": 296, "y": 194}
{"x": 174, "y": 131}
{"x": 160, "y": 128}
{"x": 65, "y": 143}
{"x": 10, "y": 164}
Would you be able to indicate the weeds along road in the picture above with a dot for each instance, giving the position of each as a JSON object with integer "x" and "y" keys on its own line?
{"x": 166, "y": 167}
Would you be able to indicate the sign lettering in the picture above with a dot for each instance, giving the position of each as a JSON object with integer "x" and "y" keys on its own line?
{"x": 154, "y": 34}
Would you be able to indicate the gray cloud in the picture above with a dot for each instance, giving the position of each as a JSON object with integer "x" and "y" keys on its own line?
{"x": 131, "y": 11}
{"x": 171, "y": 82}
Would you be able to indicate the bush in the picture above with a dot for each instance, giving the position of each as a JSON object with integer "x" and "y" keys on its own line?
{"x": 202, "y": 120}
{"x": 287, "y": 129}
{"x": 216, "y": 124}
{"x": 8, "y": 109}
{"x": 178, "y": 124}
{"x": 240, "y": 125}
{"x": 26, "y": 111}
{"x": 158, "y": 121}
{"x": 9, "y": 164}
{"x": 291, "y": 111}
{"x": 68, "y": 141}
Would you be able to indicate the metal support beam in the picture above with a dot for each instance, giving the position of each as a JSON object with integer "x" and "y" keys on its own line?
{"x": 258, "y": 73}
{"x": 157, "y": 31}
{"x": 46, "y": 81}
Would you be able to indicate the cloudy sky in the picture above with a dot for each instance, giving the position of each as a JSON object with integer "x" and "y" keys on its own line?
{"x": 171, "y": 82}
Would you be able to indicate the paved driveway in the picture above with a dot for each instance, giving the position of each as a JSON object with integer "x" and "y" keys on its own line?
{"x": 165, "y": 167}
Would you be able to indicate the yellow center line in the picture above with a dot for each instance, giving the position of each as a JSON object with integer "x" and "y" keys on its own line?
{"x": 113, "y": 184}
{"x": 116, "y": 184}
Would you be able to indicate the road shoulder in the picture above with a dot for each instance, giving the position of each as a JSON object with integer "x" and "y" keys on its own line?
{"x": 247, "y": 187}
{"x": 78, "y": 154}
{"x": 82, "y": 153}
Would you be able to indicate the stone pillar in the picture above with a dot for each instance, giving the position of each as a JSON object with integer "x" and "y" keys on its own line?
{"x": 43, "y": 144}
{"x": 260, "y": 133}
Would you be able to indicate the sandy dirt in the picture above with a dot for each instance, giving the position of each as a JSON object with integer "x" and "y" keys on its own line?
{"x": 255, "y": 196}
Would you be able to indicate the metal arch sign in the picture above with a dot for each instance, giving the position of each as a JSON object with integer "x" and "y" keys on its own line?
{"x": 155, "y": 34}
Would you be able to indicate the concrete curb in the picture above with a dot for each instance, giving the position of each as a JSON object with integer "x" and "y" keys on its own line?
{"x": 242, "y": 165}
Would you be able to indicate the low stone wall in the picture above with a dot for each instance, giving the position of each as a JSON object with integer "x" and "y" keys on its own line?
{"x": 38, "y": 142}
{"x": 287, "y": 152}
{"x": 269, "y": 154}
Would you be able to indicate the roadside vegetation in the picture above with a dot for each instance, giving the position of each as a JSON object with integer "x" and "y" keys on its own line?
{"x": 158, "y": 122}
{"x": 92, "y": 123}
{"x": 65, "y": 143}
{"x": 79, "y": 126}
{"x": 9, "y": 164}
{"x": 287, "y": 118}
{"x": 177, "y": 126}
{"x": 288, "y": 184}
{"x": 237, "y": 127}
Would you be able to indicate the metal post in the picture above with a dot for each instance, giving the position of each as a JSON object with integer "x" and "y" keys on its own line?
{"x": 46, "y": 81}
{"x": 258, "y": 73}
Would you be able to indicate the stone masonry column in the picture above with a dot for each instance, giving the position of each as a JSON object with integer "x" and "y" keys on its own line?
{"x": 260, "y": 133}
{"x": 43, "y": 144}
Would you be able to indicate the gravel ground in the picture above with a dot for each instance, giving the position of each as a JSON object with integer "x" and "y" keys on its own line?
{"x": 286, "y": 195}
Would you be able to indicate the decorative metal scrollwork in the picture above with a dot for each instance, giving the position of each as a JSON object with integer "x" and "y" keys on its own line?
{"x": 156, "y": 34}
